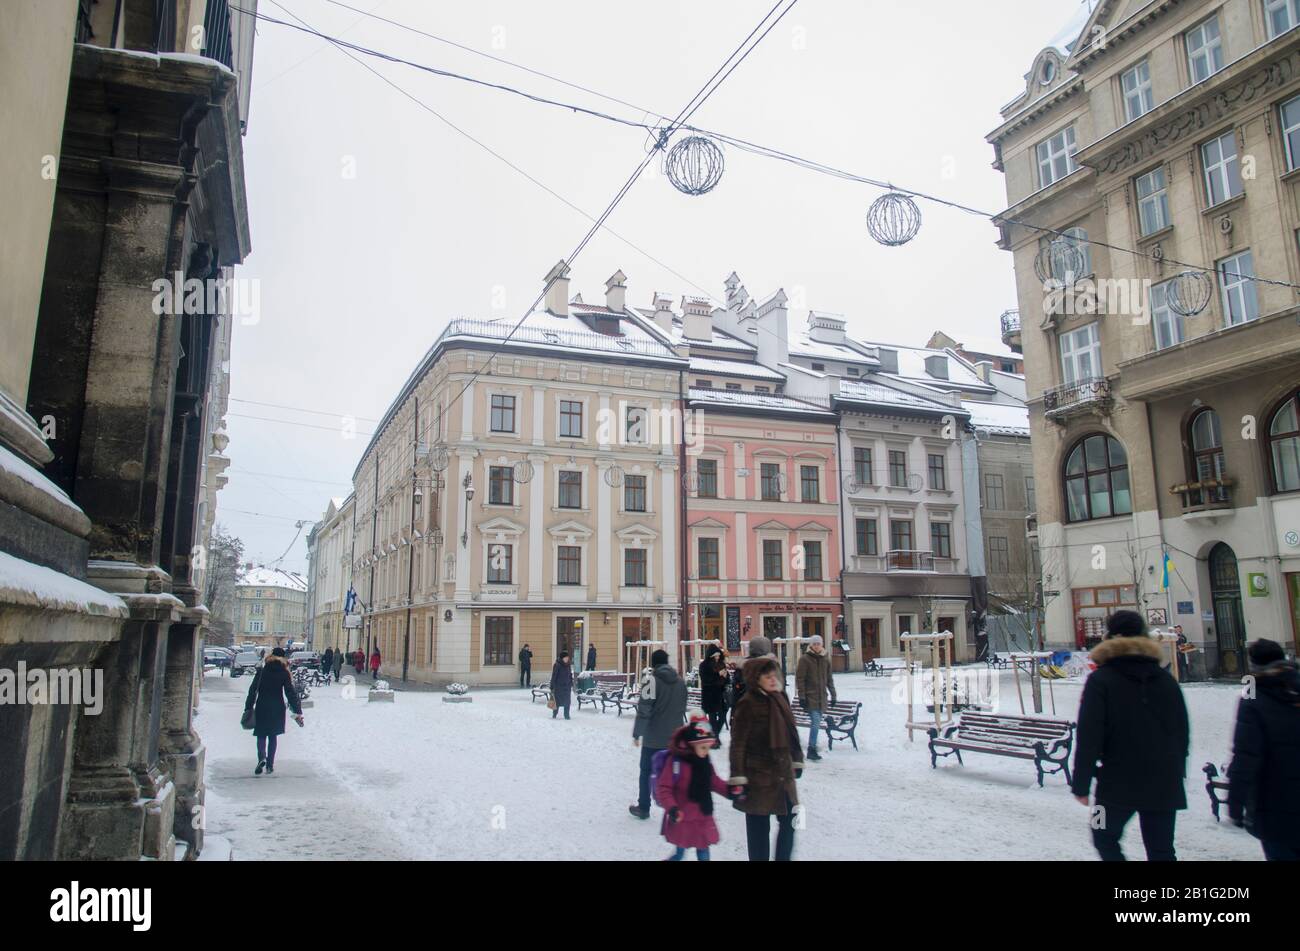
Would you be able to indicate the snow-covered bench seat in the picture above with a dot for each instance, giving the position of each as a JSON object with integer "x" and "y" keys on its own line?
{"x": 604, "y": 689}
{"x": 1216, "y": 786}
{"x": 883, "y": 665}
{"x": 1044, "y": 740}
{"x": 541, "y": 692}
{"x": 839, "y": 721}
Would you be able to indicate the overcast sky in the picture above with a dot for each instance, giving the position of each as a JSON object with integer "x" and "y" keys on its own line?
{"x": 374, "y": 222}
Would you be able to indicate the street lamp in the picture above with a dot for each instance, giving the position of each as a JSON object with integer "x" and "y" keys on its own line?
{"x": 469, "y": 496}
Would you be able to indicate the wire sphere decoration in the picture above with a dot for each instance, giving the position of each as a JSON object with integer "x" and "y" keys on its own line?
{"x": 851, "y": 484}
{"x": 694, "y": 165}
{"x": 614, "y": 476}
{"x": 690, "y": 480}
{"x": 1189, "y": 293}
{"x": 522, "y": 471}
{"x": 914, "y": 483}
{"x": 893, "y": 219}
{"x": 438, "y": 458}
{"x": 1059, "y": 262}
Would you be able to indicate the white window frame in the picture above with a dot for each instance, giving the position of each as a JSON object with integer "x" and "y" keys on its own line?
{"x": 1206, "y": 50}
{"x": 622, "y": 495}
{"x": 1156, "y": 200}
{"x": 1135, "y": 85}
{"x": 559, "y": 417}
{"x": 1291, "y": 128}
{"x": 1167, "y": 324}
{"x": 1085, "y": 340}
{"x": 582, "y": 563}
{"x": 582, "y": 489}
{"x": 1050, "y": 152}
{"x": 1288, "y": 8}
{"x": 1225, "y": 170}
{"x": 623, "y": 549}
{"x": 1238, "y": 292}
{"x": 695, "y": 553}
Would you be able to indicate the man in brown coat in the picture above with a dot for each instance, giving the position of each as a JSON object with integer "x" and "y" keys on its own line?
{"x": 813, "y": 684}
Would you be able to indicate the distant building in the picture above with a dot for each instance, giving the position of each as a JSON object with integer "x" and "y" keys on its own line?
{"x": 270, "y": 607}
{"x": 999, "y": 356}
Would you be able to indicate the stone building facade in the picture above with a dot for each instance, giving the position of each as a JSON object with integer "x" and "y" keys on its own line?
{"x": 270, "y": 607}
{"x": 126, "y": 169}
{"x": 329, "y": 576}
{"x": 1158, "y": 141}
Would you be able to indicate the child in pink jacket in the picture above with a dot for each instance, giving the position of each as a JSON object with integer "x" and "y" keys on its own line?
{"x": 685, "y": 789}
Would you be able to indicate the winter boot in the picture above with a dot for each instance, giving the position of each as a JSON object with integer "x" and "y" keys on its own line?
{"x": 813, "y": 755}
{"x": 270, "y": 767}
{"x": 261, "y": 765}
{"x": 636, "y": 811}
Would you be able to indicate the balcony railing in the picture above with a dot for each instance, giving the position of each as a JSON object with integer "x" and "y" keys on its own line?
{"x": 1206, "y": 495}
{"x": 1088, "y": 395}
{"x": 216, "y": 33}
{"x": 1011, "y": 327}
{"x": 908, "y": 560}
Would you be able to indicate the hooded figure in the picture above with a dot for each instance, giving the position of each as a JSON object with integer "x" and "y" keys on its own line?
{"x": 713, "y": 683}
{"x": 1264, "y": 777}
{"x": 660, "y": 710}
{"x": 685, "y": 788}
{"x": 327, "y": 661}
{"x": 1133, "y": 722}
{"x": 272, "y": 688}
{"x": 561, "y": 685}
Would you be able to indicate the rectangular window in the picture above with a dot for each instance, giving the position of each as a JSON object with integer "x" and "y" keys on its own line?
{"x": 941, "y": 539}
{"x": 862, "y": 466}
{"x": 570, "y": 419}
{"x": 257, "y": 627}
{"x": 570, "y": 490}
{"x": 772, "y": 559}
{"x": 762, "y": 389}
{"x": 634, "y": 574}
{"x": 501, "y": 562}
{"x": 1136, "y": 83}
{"x": 706, "y": 471}
{"x": 498, "y": 641}
{"x": 938, "y": 476}
{"x": 865, "y": 531}
{"x": 1167, "y": 322}
{"x": 635, "y": 429}
{"x": 812, "y": 561}
{"x": 1056, "y": 157}
{"x": 704, "y": 384}
{"x": 1204, "y": 50}
{"x": 900, "y": 535}
{"x": 634, "y": 494}
{"x": 708, "y": 556}
{"x": 1291, "y": 132}
{"x": 999, "y": 555}
{"x": 1081, "y": 354}
{"x": 503, "y": 413}
{"x": 1281, "y": 15}
{"x": 1031, "y": 500}
{"x": 735, "y": 387}
{"x": 1153, "y": 201}
{"x": 501, "y": 485}
{"x": 771, "y": 488}
{"x": 994, "y": 496}
{"x": 569, "y": 565}
{"x": 898, "y": 468}
{"x": 808, "y": 488}
{"x": 1236, "y": 280}
{"x": 1222, "y": 172}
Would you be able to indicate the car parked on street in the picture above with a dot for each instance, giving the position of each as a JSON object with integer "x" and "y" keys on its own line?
{"x": 304, "y": 659}
{"x": 245, "y": 661}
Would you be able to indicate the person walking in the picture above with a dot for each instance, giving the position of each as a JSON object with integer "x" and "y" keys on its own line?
{"x": 660, "y": 710}
{"x": 713, "y": 674}
{"x": 359, "y": 660}
{"x": 374, "y": 663}
{"x": 1133, "y": 721}
{"x": 561, "y": 685}
{"x": 591, "y": 656}
{"x": 327, "y": 662}
{"x": 338, "y": 664}
{"x": 685, "y": 788}
{"x": 1264, "y": 776}
{"x": 814, "y": 684}
{"x": 525, "y": 667}
{"x": 766, "y": 760}
{"x": 269, "y": 693}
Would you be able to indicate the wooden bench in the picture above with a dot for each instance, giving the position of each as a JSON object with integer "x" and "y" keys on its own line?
{"x": 883, "y": 665}
{"x": 541, "y": 692}
{"x": 604, "y": 688}
{"x": 839, "y": 721}
{"x": 1044, "y": 740}
{"x": 996, "y": 662}
{"x": 1216, "y": 787}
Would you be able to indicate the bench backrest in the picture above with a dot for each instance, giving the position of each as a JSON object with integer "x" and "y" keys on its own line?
{"x": 1024, "y": 728}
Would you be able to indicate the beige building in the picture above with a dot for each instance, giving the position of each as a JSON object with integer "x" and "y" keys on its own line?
{"x": 1161, "y": 143}
{"x": 329, "y": 575}
{"x": 525, "y": 490}
{"x": 270, "y": 607}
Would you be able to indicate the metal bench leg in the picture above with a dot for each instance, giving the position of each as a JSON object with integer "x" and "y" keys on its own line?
{"x": 1038, "y": 765}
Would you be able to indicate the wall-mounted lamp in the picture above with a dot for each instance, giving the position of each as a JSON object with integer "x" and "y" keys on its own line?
{"x": 468, "y": 485}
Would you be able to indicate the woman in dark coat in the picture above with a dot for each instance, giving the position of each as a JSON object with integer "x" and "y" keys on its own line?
{"x": 766, "y": 759}
{"x": 713, "y": 674}
{"x": 561, "y": 685}
{"x": 272, "y": 688}
{"x": 327, "y": 661}
{"x": 1264, "y": 778}
{"x": 1133, "y": 720}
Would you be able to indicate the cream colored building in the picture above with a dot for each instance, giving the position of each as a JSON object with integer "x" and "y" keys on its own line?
{"x": 1158, "y": 138}
{"x": 567, "y": 435}
{"x": 329, "y": 575}
{"x": 270, "y": 607}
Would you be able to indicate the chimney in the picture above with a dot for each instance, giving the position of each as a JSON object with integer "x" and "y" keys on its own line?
{"x": 825, "y": 329}
{"x": 697, "y": 322}
{"x": 616, "y": 292}
{"x": 937, "y": 366}
{"x": 557, "y": 290}
{"x": 663, "y": 312}
{"x": 888, "y": 360}
{"x": 773, "y": 334}
{"x": 984, "y": 368}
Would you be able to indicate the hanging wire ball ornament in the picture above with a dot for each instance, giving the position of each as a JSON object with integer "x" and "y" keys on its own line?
{"x": 893, "y": 219}
{"x": 1059, "y": 262}
{"x": 522, "y": 471}
{"x": 614, "y": 476}
{"x": 694, "y": 165}
{"x": 439, "y": 458}
{"x": 1189, "y": 293}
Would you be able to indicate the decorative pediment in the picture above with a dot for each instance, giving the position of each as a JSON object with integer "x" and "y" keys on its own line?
{"x": 637, "y": 531}
{"x": 771, "y": 452}
{"x": 709, "y": 525}
{"x": 772, "y": 525}
{"x": 570, "y": 529}
{"x": 500, "y": 526}
{"x": 810, "y": 527}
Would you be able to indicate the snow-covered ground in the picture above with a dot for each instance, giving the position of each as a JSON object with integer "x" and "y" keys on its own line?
{"x": 499, "y": 779}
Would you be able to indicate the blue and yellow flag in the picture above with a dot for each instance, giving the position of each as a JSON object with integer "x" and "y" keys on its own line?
{"x": 1169, "y": 563}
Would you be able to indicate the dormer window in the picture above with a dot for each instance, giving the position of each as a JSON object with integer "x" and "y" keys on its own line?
{"x": 819, "y": 367}
{"x": 1047, "y": 72}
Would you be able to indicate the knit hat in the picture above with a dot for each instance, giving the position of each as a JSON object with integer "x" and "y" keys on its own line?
{"x": 698, "y": 730}
{"x": 816, "y": 641}
{"x": 1264, "y": 652}
{"x": 759, "y": 646}
{"x": 278, "y": 652}
{"x": 659, "y": 658}
{"x": 1126, "y": 624}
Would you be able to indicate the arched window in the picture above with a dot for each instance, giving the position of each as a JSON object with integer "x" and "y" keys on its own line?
{"x": 1096, "y": 479}
{"x": 1284, "y": 445}
{"x": 1206, "y": 440}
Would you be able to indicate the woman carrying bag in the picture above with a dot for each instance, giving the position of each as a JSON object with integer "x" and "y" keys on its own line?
{"x": 264, "y": 710}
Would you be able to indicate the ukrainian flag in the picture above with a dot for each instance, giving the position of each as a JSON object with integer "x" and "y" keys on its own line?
{"x": 1169, "y": 563}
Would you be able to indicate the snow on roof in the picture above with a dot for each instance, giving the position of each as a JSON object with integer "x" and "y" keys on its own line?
{"x": 720, "y": 341}
{"x": 734, "y": 368}
{"x": 803, "y": 345}
{"x": 911, "y": 366}
{"x": 261, "y": 577}
{"x": 1065, "y": 41}
{"x": 989, "y": 346}
{"x": 860, "y": 391}
{"x": 768, "y": 401}
{"x": 1000, "y": 418}
{"x": 542, "y": 328}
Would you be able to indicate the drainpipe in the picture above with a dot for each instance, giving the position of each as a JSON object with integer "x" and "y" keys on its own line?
{"x": 683, "y": 546}
{"x": 840, "y": 514}
{"x": 410, "y": 559}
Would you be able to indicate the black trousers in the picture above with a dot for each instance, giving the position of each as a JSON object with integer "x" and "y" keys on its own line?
{"x": 558, "y": 707}
{"x": 266, "y": 749}
{"x": 1275, "y": 850}
{"x": 758, "y": 836}
{"x": 1157, "y": 833}
{"x": 525, "y": 676}
{"x": 717, "y": 719}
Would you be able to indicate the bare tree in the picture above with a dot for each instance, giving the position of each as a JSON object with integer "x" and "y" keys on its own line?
{"x": 225, "y": 554}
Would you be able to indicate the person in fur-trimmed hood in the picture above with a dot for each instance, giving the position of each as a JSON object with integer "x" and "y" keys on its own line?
{"x": 685, "y": 788}
{"x": 1132, "y": 737}
{"x": 269, "y": 695}
{"x": 1264, "y": 777}
{"x": 766, "y": 759}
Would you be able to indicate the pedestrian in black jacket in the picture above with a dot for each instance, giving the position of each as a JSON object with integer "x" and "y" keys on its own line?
{"x": 591, "y": 657}
{"x": 1264, "y": 778}
{"x": 713, "y": 683}
{"x": 525, "y": 667}
{"x": 327, "y": 662}
{"x": 271, "y": 689}
{"x": 1133, "y": 721}
{"x": 561, "y": 685}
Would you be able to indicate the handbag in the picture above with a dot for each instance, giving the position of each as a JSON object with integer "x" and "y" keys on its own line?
{"x": 249, "y": 719}
{"x": 550, "y": 703}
